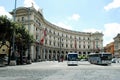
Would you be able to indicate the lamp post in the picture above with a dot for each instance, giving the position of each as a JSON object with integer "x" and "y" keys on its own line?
{"x": 13, "y": 60}
{"x": 29, "y": 56}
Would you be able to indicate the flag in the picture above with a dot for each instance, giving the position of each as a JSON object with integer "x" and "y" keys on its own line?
{"x": 45, "y": 32}
{"x": 43, "y": 36}
{"x": 41, "y": 41}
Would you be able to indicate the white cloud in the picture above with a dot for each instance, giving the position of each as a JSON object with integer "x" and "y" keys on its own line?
{"x": 111, "y": 31}
{"x": 29, "y": 3}
{"x": 75, "y": 17}
{"x": 4, "y": 12}
{"x": 63, "y": 25}
{"x": 114, "y": 4}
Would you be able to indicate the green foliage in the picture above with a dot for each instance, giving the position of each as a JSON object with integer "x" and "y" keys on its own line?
{"x": 7, "y": 27}
{"x": 23, "y": 38}
{"x": 82, "y": 57}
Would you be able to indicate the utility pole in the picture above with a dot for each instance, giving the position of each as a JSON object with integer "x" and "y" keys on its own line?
{"x": 29, "y": 56}
{"x": 13, "y": 57}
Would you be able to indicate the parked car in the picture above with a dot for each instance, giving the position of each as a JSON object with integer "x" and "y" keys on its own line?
{"x": 114, "y": 60}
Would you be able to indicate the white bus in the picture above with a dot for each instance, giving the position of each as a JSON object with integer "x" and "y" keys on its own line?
{"x": 72, "y": 59}
{"x": 100, "y": 58}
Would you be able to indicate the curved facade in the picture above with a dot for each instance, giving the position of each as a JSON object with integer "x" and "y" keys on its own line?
{"x": 57, "y": 41}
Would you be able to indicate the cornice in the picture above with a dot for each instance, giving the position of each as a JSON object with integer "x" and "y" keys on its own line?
{"x": 53, "y": 26}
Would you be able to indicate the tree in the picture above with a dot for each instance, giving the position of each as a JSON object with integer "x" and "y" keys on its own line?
{"x": 5, "y": 28}
{"x": 22, "y": 37}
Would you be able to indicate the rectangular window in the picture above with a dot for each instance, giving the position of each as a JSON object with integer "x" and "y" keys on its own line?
{"x": 71, "y": 45}
{"x": 22, "y": 18}
{"x": 66, "y": 45}
{"x": 79, "y": 46}
{"x": 50, "y": 43}
{"x": 45, "y": 41}
{"x": 54, "y": 43}
{"x": 84, "y": 46}
{"x": 62, "y": 45}
{"x": 88, "y": 46}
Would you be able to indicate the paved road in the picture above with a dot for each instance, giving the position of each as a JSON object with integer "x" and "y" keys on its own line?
{"x": 52, "y": 70}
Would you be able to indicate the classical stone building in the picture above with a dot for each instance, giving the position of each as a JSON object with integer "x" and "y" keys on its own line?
{"x": 110, "y": 48}
{"x": 57, "y": 41}
{"x": 117, "y": 45}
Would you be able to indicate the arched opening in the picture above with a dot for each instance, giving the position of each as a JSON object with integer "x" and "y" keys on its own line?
{"x": 50, "y": 54}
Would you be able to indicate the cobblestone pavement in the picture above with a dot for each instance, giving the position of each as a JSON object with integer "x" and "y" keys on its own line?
{"x": 52, "y": 70}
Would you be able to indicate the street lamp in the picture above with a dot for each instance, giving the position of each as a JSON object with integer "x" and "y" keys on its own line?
{"x": 13, "y": 62}
{"x": 29, "y": 56}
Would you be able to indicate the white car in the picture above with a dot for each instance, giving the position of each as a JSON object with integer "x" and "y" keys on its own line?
{"x": 114, "y": 60}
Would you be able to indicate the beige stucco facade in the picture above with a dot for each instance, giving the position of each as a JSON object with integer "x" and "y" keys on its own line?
{"x": 117, "y": 46}
{"x": 58, "y": 41}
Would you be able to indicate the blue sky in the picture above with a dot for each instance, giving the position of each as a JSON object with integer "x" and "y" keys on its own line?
{"x": 78, "y": 15}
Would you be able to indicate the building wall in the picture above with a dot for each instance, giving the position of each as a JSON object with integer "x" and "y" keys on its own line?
{"x": 110, "y": 48}
{"x": 58, "y": 41}
{"x": 117, "y": 45}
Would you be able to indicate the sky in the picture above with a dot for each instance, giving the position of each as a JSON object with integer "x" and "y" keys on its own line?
{"x": 78, "y": 15}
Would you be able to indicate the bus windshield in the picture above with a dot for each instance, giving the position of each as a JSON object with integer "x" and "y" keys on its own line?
{"x": 106, "y": 56}
{"x": 72, "y": 57}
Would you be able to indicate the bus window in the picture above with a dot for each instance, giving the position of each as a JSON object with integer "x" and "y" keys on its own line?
{"x": 106, "y": 57}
